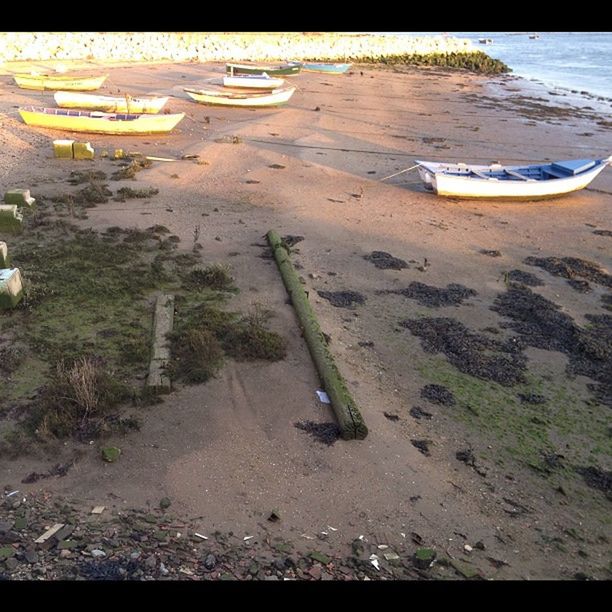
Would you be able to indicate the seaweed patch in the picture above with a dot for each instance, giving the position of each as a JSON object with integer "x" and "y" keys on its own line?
{"x": 426, "y": 295}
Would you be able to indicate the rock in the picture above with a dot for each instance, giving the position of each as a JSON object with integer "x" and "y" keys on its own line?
{"x": 253, "y": 568}
{"x": 110, "y": 454}
{"x": 65, "y": 553}
{"x": 320, "y": 557}
{"x": 424, "y": 557}
{"x": 163, "y": 570}
{"x": 210, "y": 562}
{"x": 6, "y": 552}
{"x": 464, "y": 569}
{"x": 135, "y": 555}
{"x": 151, "y": 562}
{"x": 315, "y": 571}
{"x": 96, "y": 553}
{"x": 30, "y": 555}
{"x": 165, "y": 503}
{"x": 11, "y": 564}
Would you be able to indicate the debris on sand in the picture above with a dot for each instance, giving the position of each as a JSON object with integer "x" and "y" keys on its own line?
{"x": 541, "y": 324}
{"x": 438, "y": 394}
{"x": 602, "y": 232}
{"x": 426, "y": 295}
{"x": 469, "y": 352}
{"x": 418, "y": 413}
{"x": 526, "y": 278}
{"x": 422, "y": 446}
{"x": 579, "y": 285}
{"x": 597, "y": 478}
{"x": 87, "y": 176}
{"x": 490, "y": 253}
{"x": 127, "y": 193}
{"x": 531, "y": 398}
{"x": 606, "y": 301}
{"x": 326, "y": 433}
{"x": 94, "y": 193}
{"x": 391, "y": 417}
{"x": 571, "y": 267}
{"x": 290, "y": 240}
{"x": 385, "y": 261}
{"x": 129, "y": 170}
{"x": 342, "y": 299}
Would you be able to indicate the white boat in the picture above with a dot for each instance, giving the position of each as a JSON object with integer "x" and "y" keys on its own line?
{"x": 510, "y": 182}
{"x": 109, "y": 104}
{"x": 225, "y": 97}
{"x": 253, "y": 81}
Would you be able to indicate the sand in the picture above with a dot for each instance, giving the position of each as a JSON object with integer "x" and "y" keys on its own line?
{"x": 228, "y": 451}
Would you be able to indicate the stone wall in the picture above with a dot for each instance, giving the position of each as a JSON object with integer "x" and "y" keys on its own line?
{"x": 205, "y": 47}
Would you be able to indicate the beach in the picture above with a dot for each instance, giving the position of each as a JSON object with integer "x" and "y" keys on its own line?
{"x": 486, "y": 479}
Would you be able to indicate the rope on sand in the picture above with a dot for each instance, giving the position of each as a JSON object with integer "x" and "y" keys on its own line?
{"x": 400, "y": 172}
{"x": 348, "y": 415}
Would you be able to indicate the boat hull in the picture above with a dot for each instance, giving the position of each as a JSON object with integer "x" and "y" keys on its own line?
{"x": 471, "y": 187}
{"x": 64, "y": 82}
{"x": 284, "y": 70}
{"x": 222, "y": 98}
{"x": 109, "y": 104}
{"x": 252, "y": 81}
{"x": 327, "y": 68}
{"x": 99, "y": 123}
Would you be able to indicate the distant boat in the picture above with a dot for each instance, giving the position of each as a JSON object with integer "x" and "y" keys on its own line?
{"x": 288, "y": 69}
{"x": 61, "y": 82}
{"x": 253, "y": 81}
{"x": 510, "y": 182}
{"x": 108, "y": 104}
{"x": 485, "y": 41}
{"x": 225, "y": 97}
{"x": 534, "y": 36}
{"x": 325, "y": 67}
{"x": 98, "y": 122}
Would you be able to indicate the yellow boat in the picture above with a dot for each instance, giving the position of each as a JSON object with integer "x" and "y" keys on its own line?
{"x": 63, "y": 81}
{"x": 98, "y": 122}
{"x": 109, "y": 104}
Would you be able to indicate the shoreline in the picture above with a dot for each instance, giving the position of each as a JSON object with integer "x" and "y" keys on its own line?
{"x": 228, "y": 451}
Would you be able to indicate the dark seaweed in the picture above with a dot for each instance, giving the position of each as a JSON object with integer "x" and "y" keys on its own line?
{"x": 342, "y": 299}
{"x": 526, "y": 278}
{"x": 426, "y": 295}
{"x": 385, "y": 261}
{"x": 326, "y": 433}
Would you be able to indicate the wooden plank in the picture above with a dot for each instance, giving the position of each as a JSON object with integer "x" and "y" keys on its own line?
{"x": 49, "y": 533}
{"x": 163, "y": 321}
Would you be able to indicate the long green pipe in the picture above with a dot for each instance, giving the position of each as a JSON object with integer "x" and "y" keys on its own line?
{"x": 348, "y": 415}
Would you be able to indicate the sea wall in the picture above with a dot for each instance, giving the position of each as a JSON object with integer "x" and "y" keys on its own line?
{"x": 208, "y": 47}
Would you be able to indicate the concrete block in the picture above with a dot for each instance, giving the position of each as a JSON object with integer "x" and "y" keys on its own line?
{"x": 11, "y": 219}
{"x": 160, "y": 355}
{"x": 82, "y": 150}
{"x": 4, "y": 259}
{"x": 20, "y": 197}
{"x": 119, "y": 154}
{"x": 63, "y": 148}
{"x": 11, "y": 288}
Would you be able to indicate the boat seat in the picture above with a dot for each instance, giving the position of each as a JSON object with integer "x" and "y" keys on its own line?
{"x": 517, "y": 175}
{"x": 482, "y": 176}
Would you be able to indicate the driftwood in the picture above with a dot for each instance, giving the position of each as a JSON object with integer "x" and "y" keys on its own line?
{"x": 347, "y": 414}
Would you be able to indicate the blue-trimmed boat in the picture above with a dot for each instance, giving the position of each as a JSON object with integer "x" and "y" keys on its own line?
{"x": 537, "y": 181}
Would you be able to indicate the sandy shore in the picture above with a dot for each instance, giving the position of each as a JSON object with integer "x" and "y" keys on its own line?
{"x": 228, "y": 451}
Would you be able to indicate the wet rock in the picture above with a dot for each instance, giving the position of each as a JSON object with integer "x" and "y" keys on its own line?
{"x": 326, "y": 433}
{"x": 525, "y": 278}
{"x": 422, "y": 446}
{"x": 466, "y": 456}
{"x": 438, "y": 394}
{"x": 453, "y": 295}
{"x": 419, "y": 413}
{"x": 572, "y": 267}
{"x": 342, "y": 299}
{"x": 385, "y": 261}
{"x": 470, "y": 353}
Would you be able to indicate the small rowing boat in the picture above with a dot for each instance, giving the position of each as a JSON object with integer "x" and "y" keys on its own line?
{"x": 98, "y": 122}
{"x": 537, "y": 181}
{"x": 63, "y": 81}
{"x": 109, "y": 104}
{"x": 325, "y": 67}
{"x": 225, "y": 97}
{"x": 288, "y": 69}
{"x": 253, "y": 81}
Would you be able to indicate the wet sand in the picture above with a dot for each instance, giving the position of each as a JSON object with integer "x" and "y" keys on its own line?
{"x": 228, "y": 451}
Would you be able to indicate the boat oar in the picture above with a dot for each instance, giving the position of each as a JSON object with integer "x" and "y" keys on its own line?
{"x": 400, "y": 172}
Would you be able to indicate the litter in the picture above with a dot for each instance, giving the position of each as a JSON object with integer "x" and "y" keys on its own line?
{"x": 323, "y": 397}
{"x": 307, "y": 536}
{"x": 382, "y": 547}
{"x": 98, "y": 509}
{"x": 50, "y": 532}
{"x": 199, "y": 535}
{"x": 374, "y": 561}
{"x": 247, "y": 538}
{"x": 12, "y": 493}
{"x": 332, "y": 528}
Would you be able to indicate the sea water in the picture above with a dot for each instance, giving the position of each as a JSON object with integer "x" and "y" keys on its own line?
{"x": 578, "y": 61}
